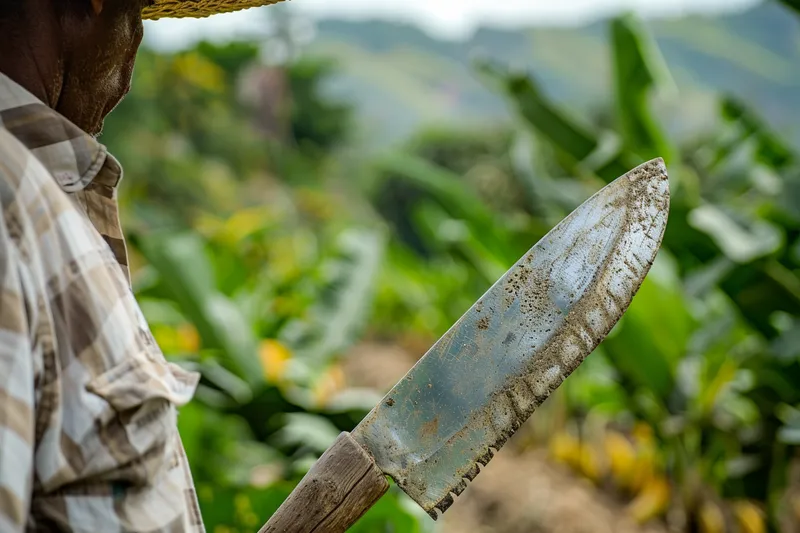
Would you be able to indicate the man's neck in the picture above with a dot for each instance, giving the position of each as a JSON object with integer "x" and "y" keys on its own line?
{"x": 30, "y": 56}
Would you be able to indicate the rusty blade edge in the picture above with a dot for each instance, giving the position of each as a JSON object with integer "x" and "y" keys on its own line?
{"x": 523, "y": 394}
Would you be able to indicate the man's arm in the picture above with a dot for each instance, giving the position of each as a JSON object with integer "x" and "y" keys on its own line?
{"x": 88, "y": 404}
{"x": 16, "y": 389}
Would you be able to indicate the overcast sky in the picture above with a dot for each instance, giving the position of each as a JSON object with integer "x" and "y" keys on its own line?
{"x": 445, "y": 18}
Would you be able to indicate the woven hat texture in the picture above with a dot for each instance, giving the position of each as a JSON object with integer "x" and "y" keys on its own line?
{"x": 199, "y": 8}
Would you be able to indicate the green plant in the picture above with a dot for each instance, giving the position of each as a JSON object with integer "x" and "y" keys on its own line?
{"x": 694, "y": 356}
{"x": 260, "y": 262}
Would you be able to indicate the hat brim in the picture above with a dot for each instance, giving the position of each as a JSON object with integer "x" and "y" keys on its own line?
{"x": 199, "y": 8}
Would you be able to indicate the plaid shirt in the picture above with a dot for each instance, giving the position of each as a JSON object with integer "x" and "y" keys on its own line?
{"x": 88, "y": 435}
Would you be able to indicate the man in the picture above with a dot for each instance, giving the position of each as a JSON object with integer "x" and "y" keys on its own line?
{"x": 88, "y": 437}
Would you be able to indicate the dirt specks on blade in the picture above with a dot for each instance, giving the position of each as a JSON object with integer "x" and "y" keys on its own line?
{"x": 479, "y": 383}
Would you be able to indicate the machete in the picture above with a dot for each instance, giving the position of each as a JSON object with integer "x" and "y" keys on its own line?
{"x": 476, "y": 386}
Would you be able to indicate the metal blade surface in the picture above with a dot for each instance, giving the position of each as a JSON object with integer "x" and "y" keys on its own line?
{"x": 475, "y": 387}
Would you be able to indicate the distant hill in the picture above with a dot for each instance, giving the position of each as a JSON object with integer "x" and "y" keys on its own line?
{"x": 401, "y": 78}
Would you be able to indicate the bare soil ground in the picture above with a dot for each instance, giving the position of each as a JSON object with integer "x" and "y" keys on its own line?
{"x": 526, "y": 493}
{"x": 516, "y": 492}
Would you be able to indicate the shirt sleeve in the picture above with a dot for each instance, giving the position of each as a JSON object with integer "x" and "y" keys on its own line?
{"x": 129, "y": 472}
{"x": 17, "y": 396}
{"x": 88, "y": 404}
{"x": 135, "y": 476}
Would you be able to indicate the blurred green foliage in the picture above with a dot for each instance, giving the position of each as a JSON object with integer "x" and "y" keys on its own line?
{"x": 265, "y": 245}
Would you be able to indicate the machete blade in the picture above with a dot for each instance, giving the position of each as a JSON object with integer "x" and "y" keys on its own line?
{"x": 476, "y": 386}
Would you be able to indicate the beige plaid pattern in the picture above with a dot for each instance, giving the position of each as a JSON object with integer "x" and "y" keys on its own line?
{"x": 88, "y": 435}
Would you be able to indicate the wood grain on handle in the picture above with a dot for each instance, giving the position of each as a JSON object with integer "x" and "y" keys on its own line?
{"x": 341, "y": 486}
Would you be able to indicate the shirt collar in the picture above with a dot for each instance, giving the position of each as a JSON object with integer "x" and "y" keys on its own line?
{"x": 74, "y": 158}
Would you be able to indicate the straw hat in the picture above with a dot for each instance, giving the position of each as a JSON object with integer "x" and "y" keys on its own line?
{"x": 199, "y": 8}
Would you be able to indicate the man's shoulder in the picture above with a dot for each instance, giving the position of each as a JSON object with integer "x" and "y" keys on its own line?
{"x": 27, "y": 192}
{"x": 20, "y": 170}
{"x": 14, "y": 157}
{"x": 14, "y": 160}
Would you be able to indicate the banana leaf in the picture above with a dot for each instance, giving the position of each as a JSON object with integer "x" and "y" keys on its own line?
{"x": 185, "y": 272}
{"x": 581, "y": 146}
{"x": 639, "y": 70}
{"x": 341, "y": 311}
{"x": 458, "y": 200}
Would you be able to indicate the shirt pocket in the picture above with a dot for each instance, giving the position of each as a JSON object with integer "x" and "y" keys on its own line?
{"x": 135, "y": 438}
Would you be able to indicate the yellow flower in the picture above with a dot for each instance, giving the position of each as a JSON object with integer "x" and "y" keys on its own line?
{"x": 711, "y": 518}
{"x": 566, "y": 449}
{"x": 331, "y": 382}
{"x": 274, "y": 360}
{"x": 652, "y": 501}
{"x": 181, "y": 339}
{"x": 188, "y": 338}
{"x": 621, "y": 458}
{"x": 644, "y": 470}
{"x": 590, "y": 465}
{"x": 750, "y": 517}
{"x": 643, "y": 435}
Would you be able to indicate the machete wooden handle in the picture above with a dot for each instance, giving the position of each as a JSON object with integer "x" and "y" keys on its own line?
{"x": 341, "y": 486}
